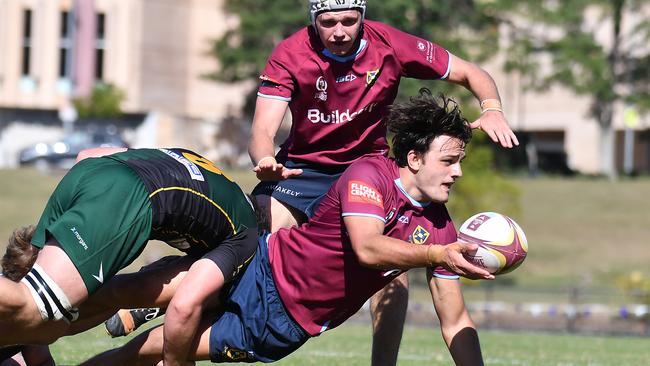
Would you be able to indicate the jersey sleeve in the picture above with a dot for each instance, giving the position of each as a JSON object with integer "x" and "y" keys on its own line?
{"x": 419, "y": 58}
{"x": 277, "y": 81}
{"x": 445, "y": 236}
{"x": 361, "y": 190}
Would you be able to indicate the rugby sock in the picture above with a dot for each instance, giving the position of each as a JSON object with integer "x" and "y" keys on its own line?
{"x": 52, "y": 303}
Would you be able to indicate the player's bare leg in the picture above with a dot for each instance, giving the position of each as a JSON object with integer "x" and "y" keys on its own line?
{"x": 26, "y": 324}
{"x": 388, "y": 311}
{"x": 277, "y": 214}
{"x": 147, "y": 348}
{"x": 152, "y": 286}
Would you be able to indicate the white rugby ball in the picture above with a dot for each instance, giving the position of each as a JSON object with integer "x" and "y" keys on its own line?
{"x": 502, "y": 243}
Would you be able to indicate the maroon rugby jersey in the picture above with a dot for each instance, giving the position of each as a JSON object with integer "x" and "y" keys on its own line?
{"x": 337, "y": 103}
{"x": 316, "y": 271}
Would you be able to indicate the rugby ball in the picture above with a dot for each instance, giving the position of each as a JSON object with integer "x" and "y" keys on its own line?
{"x": 502, "y": 242}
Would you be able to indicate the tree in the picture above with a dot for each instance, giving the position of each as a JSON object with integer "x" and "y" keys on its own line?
{"x": 597, "y": 48}
{"x": 104, "y": 102}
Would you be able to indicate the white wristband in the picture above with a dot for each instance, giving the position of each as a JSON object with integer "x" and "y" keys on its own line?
{"x": 492, "y": 109}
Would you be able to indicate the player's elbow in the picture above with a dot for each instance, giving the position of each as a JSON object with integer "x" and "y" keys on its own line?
{"x": 367, "y": 257}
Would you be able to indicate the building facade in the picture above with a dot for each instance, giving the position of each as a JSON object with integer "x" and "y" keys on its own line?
{"x": 156, "y": 51}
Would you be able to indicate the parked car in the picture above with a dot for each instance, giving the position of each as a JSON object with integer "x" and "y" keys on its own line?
{"x": 62, "y": 154}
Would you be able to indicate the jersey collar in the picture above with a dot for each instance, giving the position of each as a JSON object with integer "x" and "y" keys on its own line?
{"x": 398, "y": 183}
{"x": 328, "y": 54}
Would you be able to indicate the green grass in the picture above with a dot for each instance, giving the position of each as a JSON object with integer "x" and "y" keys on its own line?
{"x": 584, "y": 232}
{"x": 350, "y": 345}
{"x": 581, "y": 231}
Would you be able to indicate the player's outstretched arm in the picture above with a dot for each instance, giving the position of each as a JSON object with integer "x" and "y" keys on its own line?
{"x": 458, "y": 329}
{"x": 481, "y": 84}
{"x": 266, "y": 123}
{"x": 375, "y": 250}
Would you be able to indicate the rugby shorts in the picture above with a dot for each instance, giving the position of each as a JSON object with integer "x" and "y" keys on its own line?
{"x": 303, "y": 192}
{"x": 254, "y": 324}
{"x": 100, "y": 215}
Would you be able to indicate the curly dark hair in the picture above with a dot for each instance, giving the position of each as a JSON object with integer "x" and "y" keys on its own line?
{"x": 20, "y": 255}
{"x": 417, "y": 122}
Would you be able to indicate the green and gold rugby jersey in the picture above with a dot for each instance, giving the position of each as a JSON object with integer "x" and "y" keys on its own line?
{"x": 195, "y": 206}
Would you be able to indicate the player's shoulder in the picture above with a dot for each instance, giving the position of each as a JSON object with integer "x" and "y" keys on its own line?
{"x": 373, "y": 165}
{"x": 381, "y": 30}
{"x": 296, "y": 44}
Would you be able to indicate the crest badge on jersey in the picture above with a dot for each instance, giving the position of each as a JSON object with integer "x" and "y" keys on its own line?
{"x": 420, "y": 235}
{"x": 321, "y": 87}
{"x": 371, "y": 76}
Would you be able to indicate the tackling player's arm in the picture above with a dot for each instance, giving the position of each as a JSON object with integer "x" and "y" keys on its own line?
{"x": 268, "y": 117}
{"x": 376, "y": 250}
{"x": 481, "y": 84}
{"x": 458, "y": 329}
{"x": 183, "y": 316}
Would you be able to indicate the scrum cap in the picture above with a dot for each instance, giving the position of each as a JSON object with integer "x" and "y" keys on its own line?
{"x": 320, "y": 6}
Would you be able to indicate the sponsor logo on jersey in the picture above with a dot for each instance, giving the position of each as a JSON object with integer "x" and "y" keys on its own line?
{"x": 390, "y": 214}
{"x": 321, "y": 86}
{"x": 427, "y": 49}
{"x": 371, "y": 76}
{"x": 420, "y": 235}
{"x": 195, "y": 172}
{"x": 346, "y": 78}
{"x": 336, "y": 117}
{"x": 477, "y": 222}
{"x": 403, "y": 219}
{"x": 81, "y": 241}
{"x": 363, "y": 192}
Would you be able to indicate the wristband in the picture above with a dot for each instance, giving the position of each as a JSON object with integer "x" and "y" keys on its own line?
{"x": 491, "y": 109}
{"x": 265, "y": 158}
{"x": 490, "y": 103}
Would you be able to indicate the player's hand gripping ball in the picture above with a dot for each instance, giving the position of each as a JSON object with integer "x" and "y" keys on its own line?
{"x": 502, "y": 243}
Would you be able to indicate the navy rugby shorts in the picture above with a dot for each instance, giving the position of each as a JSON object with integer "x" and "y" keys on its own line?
{"x": 303, "y": 192}
{"x": 254, "y": 325}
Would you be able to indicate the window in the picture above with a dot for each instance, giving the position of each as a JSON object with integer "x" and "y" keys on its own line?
{"x": 100, "y": 46}
{"x": 65, "y": 45}
{"x": 27, "y": 43}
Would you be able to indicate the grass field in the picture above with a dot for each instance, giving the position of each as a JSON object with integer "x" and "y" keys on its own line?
{"x": 349, "y": 345}
{"x": 582, "y": 232}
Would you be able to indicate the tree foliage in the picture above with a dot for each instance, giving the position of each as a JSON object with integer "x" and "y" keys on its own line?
{"x": 597, "y": 48}
{"x": 243, "y": 50}
{"x": 104, "y": 102}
